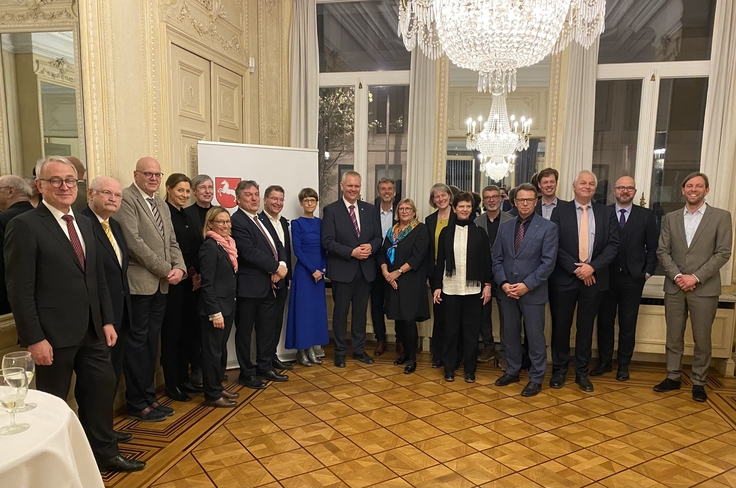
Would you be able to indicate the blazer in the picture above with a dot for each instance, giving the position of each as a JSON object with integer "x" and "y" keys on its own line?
{"x": 287, "y": 239}
{"x": 638, "y": 247}
{"x": 6, "y": 216}
{"x": 219, "y": 280}
{"x": 52, "y": 297}
{"x": 431, "y": 222}
{"x": 116, "y": 274}
{"x": 339, "y": 239}
{"x": 255, "y": 259}
{"x": 605, "y": 245}
{"x": 151, "y": 256}
{"x": 193, "y": 212}
{"x": 481, "y": 220}
{"x": 709, "y": 250}
{"x": 475, "y": 236}
{"x": 532, "y": 264}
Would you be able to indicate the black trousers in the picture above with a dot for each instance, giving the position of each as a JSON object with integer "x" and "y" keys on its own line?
{"x": 486, "y": 323}
{"x": 462, "y": 326}
{"x": 407, "y": 330}
{"x": 436, "y": 345}
{"x": 378, "y": 295}
{"x": 175, "y": 333}
{"x": 94, "y": 390}
{"x": 214, "y": 355}
{"x": 141, "y": 349}
{"x": 344, "y": 294}
{"x": 281, "y": 296}
{"x": 193, "y": 331}
{"x": 117, "y": 353}
{"x": 257, "y": 314}
{"x": 624, "y": 296}
{"x": 562, "y": 306}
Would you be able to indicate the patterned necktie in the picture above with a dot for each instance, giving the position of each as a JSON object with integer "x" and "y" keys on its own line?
{"x": 156, "y": 216}
{"x": 74, "y": 238}
{"x": 106, "y": 227}
{"x": 354, "y": 219}
{"x": 583, "y": 235}
{"x": 263, "y": 231}
{"x": 622, "y": 219}
{"x": 519, "y": 236}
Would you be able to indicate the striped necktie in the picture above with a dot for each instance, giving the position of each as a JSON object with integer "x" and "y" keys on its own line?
{"x": 106, "y": 227}
{"x": 74, "y": 239}
{"x": 156, "y": 216}
{"x": 354, "y": 219}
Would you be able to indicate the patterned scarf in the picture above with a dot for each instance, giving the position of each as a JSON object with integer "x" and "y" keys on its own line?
{"x": 395, "y": 237}
{"x": 228, "y": 244}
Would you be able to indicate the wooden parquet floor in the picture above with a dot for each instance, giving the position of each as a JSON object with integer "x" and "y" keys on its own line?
{"x": 374, "y": 426}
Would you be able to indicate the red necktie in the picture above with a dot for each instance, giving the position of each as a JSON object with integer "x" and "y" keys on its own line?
{"x": 519, "y": 236}
{"x": 354, "y": 219}
{"x": 74, "y": 238}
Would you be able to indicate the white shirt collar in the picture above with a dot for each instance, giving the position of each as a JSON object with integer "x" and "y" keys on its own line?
{"x": 553, "y": 202}
{"x": 251, "y": 215}
{"x": 58, "y": 214}
{"x": 588, "y": 205}
{"x": 273, "y": 219}
{"x": 627, "y": 209}
{"x": 701, "y": 210}
{"x": 144, "y": 194}
{"x": 347, "y": 204}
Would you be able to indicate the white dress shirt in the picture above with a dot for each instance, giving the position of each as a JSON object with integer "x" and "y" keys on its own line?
{"x": 547, "y": 208}
{"x": 387, "y": 220}
{"x": 357, "y": 214}
{"x": 457, "y": 284}
{"x": 692, "y": 221}
{"x": 58, "y": 214}
{"x": 276, "y": 222}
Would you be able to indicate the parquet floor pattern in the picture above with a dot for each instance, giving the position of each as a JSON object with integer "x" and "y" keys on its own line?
{"x": 374, "y": 426}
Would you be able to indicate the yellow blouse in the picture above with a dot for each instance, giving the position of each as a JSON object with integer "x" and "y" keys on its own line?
{"x": 441, "y": 224}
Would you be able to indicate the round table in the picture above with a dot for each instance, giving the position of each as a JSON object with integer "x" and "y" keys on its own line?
{"x": 53, "y": 452}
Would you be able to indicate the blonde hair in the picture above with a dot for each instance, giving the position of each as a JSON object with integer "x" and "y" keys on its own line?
{"x": 212, "y": 213}
{"x": 402, "y": 202}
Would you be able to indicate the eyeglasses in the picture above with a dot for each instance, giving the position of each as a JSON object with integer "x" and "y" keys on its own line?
{"x": 276, "y": 199}
{"x": 109, "y": 194}
{"x": 222, "y": 222}
{"x": 150, "y": 175}
{"x": 625, "y": 188}
{"x": 405, "y": 209}
{"x": 525, "y": 200}
{"x": 56, "y": 182}
{"x": 493, "y": 197}
{"x": 309, "y": 201}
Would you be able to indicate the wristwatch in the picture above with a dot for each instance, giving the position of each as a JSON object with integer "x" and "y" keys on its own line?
{"x": 401, "y": 271}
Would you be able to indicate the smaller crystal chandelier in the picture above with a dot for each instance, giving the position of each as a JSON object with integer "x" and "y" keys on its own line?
{"x": 417, "y": 27}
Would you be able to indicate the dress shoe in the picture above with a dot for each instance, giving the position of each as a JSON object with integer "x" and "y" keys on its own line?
{"x": 279, "y": 365}
{"x": 339, "y": 361}
{"x": 437, "y": 363}
{"x": 273, "y": 376}
{"x": 177, "y": 394}
{"x": 531, "y": 389}
{"x": 302, "y": 359}
{"x": 699, "y": 394}
{"x": 363, "y": 358}
{"x": 399, "y": 348}
{"x": 222, "y": 402}
{"x": 486, "y": 355}
{"x": 502, "y": 364}
{"x": 121, "y": 436}
{"x": 622, "y": 374}
{"x": 507, "y": 379}
{"x": 410, "y": 367}
{"x": 148, "y": 414}
{"x": 121, "y": 464}
{"x": 584, "y": 383}
{"x": 251, "y": 382}
{"x": 469, "y": 378}
{"x": 450, "y": 377}
{"x": 400, "y": 360}
{"x": 601, "y": 369}
{"x": 380, "y": 348}
{"x": 190, "y": 387}
{"x": 312, "y": 355}
{"x": 230, "y": 395}
{"x": 163, "y": 408}
{"x": 668, "y": 385}
{"x": 557, "y": 380}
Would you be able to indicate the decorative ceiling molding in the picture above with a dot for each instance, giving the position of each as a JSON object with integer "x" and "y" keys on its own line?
{"x": 17, "y": 13}
{"x": 218, "y": 22}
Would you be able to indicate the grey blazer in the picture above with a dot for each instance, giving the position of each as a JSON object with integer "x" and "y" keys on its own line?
{"x": 151, "y": 256}
{"x": 709, "y": 250}
{"x": 480, "y": 221}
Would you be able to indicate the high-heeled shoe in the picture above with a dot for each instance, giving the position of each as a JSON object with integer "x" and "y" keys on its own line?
{"x": 313, "y": 356}
{"x": 401, "y": 359}
{"x": 410, "y": 367}
{"x": 301, "y": 358}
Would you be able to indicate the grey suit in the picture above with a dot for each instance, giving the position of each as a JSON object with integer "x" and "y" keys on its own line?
{"x": 708, "y": 251}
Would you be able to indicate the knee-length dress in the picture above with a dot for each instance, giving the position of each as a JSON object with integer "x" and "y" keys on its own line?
{"x": 306, "y": 324}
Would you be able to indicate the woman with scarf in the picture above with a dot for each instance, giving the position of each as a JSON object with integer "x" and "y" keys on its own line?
{"x": 218, "y": 263}
{"x": 462, "y": 282}
{"x": 403, "y": 264}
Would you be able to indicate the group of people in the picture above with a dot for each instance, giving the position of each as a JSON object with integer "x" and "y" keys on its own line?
{"x": 91, "y": 294}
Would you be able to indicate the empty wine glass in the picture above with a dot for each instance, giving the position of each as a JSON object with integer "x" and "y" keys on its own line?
{"x": 13, "y": 389}
{"x": 22, "y": 359}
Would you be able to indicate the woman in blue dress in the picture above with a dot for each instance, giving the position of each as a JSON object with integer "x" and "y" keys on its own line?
{"x": 306, "y": 324}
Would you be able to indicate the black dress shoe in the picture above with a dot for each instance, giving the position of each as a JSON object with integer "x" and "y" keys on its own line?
{"x": 469, "y": 378}
{"x": 222, "y": 402}
{"x": 450, "y": 376}
{"x": 148, "y": 414}
{"x": 121, "y": 464}
{"x": 601, "y": 369}
{"x": 507, "y": 379}
{"x": 163, "y": 409}
{"x": 195, "y": 377}
{"x": 699, "y": 394}
{"x": 279, "y": 365}
{"x": 273, "y": 376}
{"x": 190, "y": 387}
{"x": 531, "y": 389}
{"x": 400, "y": 360}
{"x": 177, "y": 394}
{"x": 437, "y": 363}
{"x": 339, "y": 361}
{"x": 584, "y": 383}
{"x": 230, "y": 395}
{"x": 622, "y": 374}
{"x": 557, "y": 380}
{"x": 121, "y": 436}
{"x": 251, "y": 382}
{"x": 410, "y": 367}
{"x": 668, "y": 385}
{"x": 363, "y": 358}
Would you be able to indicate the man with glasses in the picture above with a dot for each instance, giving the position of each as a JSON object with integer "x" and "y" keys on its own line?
{"x": 634, "y": 265}
{"x": 155, "y": 263}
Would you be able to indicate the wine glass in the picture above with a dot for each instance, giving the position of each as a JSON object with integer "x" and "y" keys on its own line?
{"x": 22, "y": 359}
{"x": 13, "y": 389}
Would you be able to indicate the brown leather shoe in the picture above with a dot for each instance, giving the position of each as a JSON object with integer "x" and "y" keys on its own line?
{"x": 230, "y": 395}
{"x": 399, "y": 348}
{"x": 380, "y": 348}
{"x": 222, "y": 402}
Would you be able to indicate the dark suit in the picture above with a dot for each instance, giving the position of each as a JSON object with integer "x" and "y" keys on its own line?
{"x": 197, "y": 215}
{"x": 438, "y": 310}
{"x": 54, "y": 298}
{"x": 378, "y": 289}
{"x": 350, "y": 277}
{"x": 256, "y": 297}
{"x": 532, "y": 265}
{"x": 5, "y": 217}
{"x": 637, "y": 257}
{"x": 568, "y": 291}
{"x": 116, "y": 275}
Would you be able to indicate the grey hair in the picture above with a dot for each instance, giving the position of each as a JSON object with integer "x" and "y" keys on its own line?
{"x": 244, "y": 185}
{"x": 491, "y": 188}
{"x": 18, "y": 184}
{"x": 350, "y": 173}
{"x": 53, "y": 159}
{"x": 583, "y": 172}
{"x": 200, "y": 179}
{"x": 97, "y": 182}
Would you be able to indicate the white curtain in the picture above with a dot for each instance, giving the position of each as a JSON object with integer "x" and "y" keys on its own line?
{"x": 304, "y": 75}
{"x": 577, "y": 133}
{"x": 420, "y": 150}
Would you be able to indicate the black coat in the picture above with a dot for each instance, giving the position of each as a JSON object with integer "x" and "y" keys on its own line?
{"x": 287, "y": 239}
{"x": 219, "y": 280}
{"x": 638, "y": 247}
{"x": 6, "y": 216}
{"x": 409, "y": 301}
{"x": 431, "y": 222}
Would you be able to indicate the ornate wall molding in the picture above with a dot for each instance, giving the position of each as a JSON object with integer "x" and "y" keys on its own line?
{"x": 60, "y": 71}
{"x": 272, "y": 72}
{"x": 441, "y": 118}
{"x": 22, "y": 13}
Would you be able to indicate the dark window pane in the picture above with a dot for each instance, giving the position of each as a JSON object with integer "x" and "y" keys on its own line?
{"x": 335, "y": 140}
{"x": 388, "y": 106}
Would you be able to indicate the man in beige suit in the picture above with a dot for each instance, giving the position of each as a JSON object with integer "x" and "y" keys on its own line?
{"x": 155, "y": 263}
{"x": 695, "y": 242}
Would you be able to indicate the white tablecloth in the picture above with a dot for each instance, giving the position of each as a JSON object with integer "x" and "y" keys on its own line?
{"x": 53, "y": 452}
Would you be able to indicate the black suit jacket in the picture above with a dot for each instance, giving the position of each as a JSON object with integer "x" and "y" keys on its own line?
{"x": 219, "y": 280}
{"x": 116, "y": 274}
{"x": 638, "y": 247}
{"x": 52, "y": 297}
{"x": 339, "y": 239}
{"x": 287, "y": 240}
{"x": 5, "y": 217}
{"x": 431, "y": 223}
{"x": 605, "y": 245}
{"x": 256, "y": 263}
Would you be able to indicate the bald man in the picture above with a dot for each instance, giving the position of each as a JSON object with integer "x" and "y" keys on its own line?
{"x": 14, "y": 200}
{"x": 627, "y": 273}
